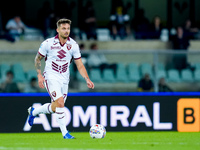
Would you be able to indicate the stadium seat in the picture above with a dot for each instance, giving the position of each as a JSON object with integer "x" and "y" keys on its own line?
{"x": 197, "y": 65}
{"x": 133, "y": 72}
{"x": 186, "y": 75}
{"x": 76, "y": 31}
{"x": 32, "y": 34}
{"x": 31, "y": 74}
{"x": 121, "y": 74}
{"x": 146, "y": 68}
{"x": 4, "y": 68}
{"x": 161, "y": 74}
{"x": 173, "y": 75}
{"x": 108, "y": 75}
{"x": 132, "y": 66}
{"x": 121, "y": 66}
{"x": 95, "y": 75}
{"x": 103, "y": 34}
{"x": 197, "y": 75}
{"x": 134, "y": 76}
{"x": 18, "y": 71}
{"x": 161, "y": 66}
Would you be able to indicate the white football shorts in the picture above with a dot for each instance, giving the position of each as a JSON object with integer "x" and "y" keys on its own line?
{"x": 56, "y": 89}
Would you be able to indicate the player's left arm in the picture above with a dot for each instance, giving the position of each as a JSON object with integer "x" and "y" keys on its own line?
{"x": 83, "y": 72}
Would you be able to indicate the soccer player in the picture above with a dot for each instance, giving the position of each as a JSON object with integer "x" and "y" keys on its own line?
{"x": 58, "y": 52}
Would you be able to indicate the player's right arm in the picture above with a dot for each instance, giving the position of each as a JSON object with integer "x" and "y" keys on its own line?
{"x": 41, "y": 80}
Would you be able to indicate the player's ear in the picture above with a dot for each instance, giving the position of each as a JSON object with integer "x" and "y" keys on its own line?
{"x": 57, "y": 30}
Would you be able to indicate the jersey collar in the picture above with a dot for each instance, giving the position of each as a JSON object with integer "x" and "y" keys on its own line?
{"x": 56, "y": 40}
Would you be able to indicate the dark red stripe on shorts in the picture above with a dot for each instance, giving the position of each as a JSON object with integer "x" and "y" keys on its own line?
{"x": 49, "y": 91}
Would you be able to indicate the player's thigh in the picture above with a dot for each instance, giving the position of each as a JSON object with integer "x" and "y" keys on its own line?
{"x": 54, "y": 89}
{"x": 65, "y": 91}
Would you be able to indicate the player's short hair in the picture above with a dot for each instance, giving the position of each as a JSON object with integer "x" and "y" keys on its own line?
{"x": 63, "y": 21}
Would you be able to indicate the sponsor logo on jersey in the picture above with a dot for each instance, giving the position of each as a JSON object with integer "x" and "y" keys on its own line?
{"x": 61, "y": 54}
{"x": 55, "y": 47}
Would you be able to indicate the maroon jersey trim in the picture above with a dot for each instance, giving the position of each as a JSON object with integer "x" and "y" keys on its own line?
{"x": 77, "y": 58}
{"x": 41, "y": 54}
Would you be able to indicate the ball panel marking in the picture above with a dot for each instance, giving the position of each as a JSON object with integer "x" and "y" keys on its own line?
{"x": 97, "y": 131}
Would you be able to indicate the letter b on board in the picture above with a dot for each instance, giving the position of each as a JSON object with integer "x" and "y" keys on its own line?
{"x": 188, "y": 117}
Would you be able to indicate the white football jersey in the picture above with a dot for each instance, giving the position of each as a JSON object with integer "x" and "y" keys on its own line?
{"x": 58, "y": 57}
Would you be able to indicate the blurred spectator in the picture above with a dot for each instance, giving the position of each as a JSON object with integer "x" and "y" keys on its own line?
{"x": 145, "y": 84}
{"x": 191, "y": 31}
{"x": 9, "y": 86}
{"x": 155, "y": 28}
{"x": 96, "y": 60}
{"x": 45, "y": 18}
{"x": 163, "y": 87}
{"x": 119, "y": 20}
{"x": 180, "y": 42}
{"x": 15, "y": 27}
{"x": 32, "y": 87}
{"x": 82, "y": 46}
{"x": 140, "y": 25}
{"x": 4, "y": 35}
{"x": 90, "y": 21}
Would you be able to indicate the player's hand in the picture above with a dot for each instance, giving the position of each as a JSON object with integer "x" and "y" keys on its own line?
{"x": 41, "y": 81}
{"x": 90, "y": 84}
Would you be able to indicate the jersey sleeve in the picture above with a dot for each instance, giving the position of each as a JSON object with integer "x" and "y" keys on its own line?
{"x": 43, "y": 48}
{"x": 76, "y": 52}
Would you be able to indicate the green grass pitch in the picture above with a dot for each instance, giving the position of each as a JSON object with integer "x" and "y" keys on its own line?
{"x": 112, "y": 141}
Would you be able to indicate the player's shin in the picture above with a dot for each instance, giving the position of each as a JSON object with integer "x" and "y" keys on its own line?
{"x": 60, "y": 117}
{"x": 44, "y": 109}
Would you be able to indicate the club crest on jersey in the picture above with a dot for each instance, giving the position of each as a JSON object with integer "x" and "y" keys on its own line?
{"x": 53, "y": 93}
{"x": 69, "y": 46}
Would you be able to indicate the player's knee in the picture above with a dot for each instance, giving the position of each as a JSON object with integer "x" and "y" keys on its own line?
{"x": 57, "y": 103}
{"x": 60, "y": 102}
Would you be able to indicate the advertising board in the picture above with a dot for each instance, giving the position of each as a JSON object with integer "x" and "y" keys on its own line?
{"x": 116, "y": 111}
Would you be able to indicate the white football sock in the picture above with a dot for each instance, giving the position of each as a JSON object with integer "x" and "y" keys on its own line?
{"x": 60, "y": 118}
{"x": 44, "y": 109}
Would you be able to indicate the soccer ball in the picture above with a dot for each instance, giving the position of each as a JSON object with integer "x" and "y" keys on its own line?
{"x": 97, "y": 131}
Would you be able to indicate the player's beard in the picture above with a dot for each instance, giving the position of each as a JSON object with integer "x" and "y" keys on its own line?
{"x": 64, "y": 36}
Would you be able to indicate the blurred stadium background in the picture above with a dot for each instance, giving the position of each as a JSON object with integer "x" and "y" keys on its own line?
{"x": 145, "y": 54}
{"x": 118, "y": 101}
